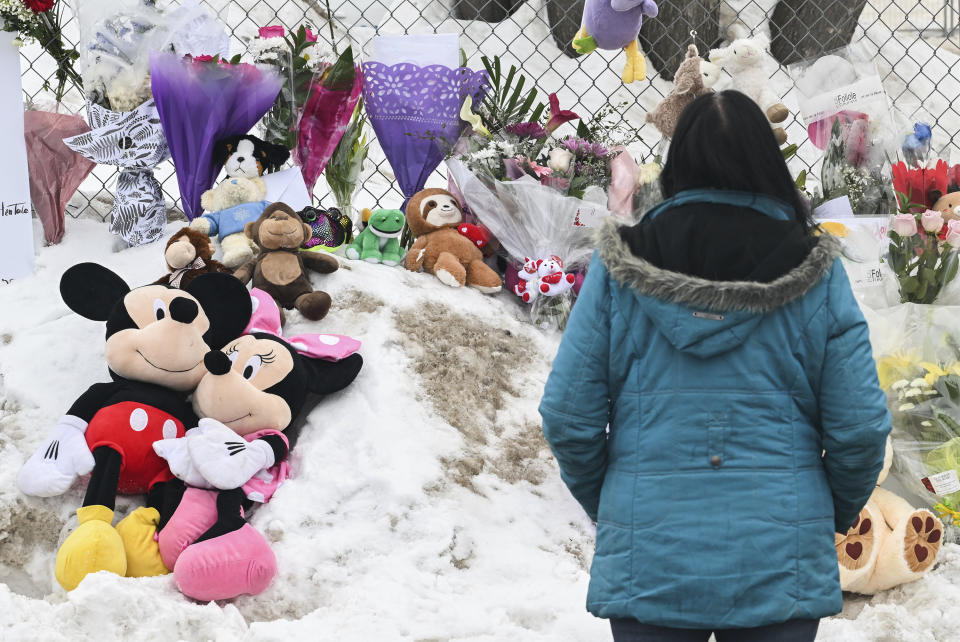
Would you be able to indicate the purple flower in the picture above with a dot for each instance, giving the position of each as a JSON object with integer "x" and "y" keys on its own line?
{"x": 527, "y": 130}
{"x": 582, "y": 147}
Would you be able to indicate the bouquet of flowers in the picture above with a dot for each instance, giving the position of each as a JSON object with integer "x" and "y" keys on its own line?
{"x": 332, "y": 98}
{"x": 634, "y": 188}
{"x": 296, "y": 57}
{"x": 42, "y": 21}
{"x": 201, "y": 100}
{"x": 922, "y": 380}
{"x": 923, "y": 254}
{"x": 346, "y": 164}
{"x": 538, "y": 196}
{"x": 853, "y": 167}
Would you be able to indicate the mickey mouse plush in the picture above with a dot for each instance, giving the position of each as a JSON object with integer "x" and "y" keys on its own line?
{"x": 156, "y": 341}
{"x": 254, "y": 392}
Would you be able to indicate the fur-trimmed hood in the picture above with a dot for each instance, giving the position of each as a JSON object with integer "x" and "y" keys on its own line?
{"x": 702, "y": 316}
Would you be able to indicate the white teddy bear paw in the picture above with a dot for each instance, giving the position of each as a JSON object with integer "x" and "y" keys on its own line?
{"x": 236, "y": 256}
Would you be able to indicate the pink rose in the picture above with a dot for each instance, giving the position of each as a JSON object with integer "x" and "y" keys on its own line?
{"x": 311, "y": 37}
{"x": 953, "y": 233}
{"x": 905, "y": 225}
{"x": 203, "y": 58}
{"x": 932, "y": 221}
{"x": 273, "y": 31}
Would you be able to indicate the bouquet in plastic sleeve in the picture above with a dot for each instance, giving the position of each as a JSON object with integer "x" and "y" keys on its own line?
{"x": 848, "y": 115}
{"x": 919, "y": 367}
{"x": 201, "y": 100}
{"x": 543, "y": 230}
{"x": 413, "y": 91}
{"x": 923, "y": 254}
{"x": 634, "y": 189}
{"x": 116, "y": 38}
{"x": 42, "y": 21}
{"x": 346, "y": 164}
{"x": 297, "y": 57}
{"x": 331, "y": 101}
{"x": 56, "y": 171}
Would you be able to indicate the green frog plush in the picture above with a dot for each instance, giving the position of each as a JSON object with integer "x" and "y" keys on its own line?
{"x": 379, "y": 242}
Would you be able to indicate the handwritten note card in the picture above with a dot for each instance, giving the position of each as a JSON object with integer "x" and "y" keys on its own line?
{"x": 16, "y": 225}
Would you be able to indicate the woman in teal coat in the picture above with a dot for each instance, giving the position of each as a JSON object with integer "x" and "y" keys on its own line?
{"x": 714, "y": 404}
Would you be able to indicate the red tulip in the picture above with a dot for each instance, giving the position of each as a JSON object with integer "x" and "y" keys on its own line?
{"x": 39, "y": 6}
{"x": 309, "y": 35}
{"x": 921, "y": 186}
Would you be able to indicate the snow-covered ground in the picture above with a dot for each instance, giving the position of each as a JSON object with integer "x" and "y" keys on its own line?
{"x": 424, "y": 504}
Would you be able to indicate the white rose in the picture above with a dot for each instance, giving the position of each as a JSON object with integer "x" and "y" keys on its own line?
{"x": 648, "y": 173}
{"x": 560, "y": 160}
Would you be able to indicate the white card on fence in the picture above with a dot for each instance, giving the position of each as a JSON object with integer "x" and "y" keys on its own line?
{"x": 421, "y": 49}
{"x": 16, "y": 223}
{"x": 287, "y": 186}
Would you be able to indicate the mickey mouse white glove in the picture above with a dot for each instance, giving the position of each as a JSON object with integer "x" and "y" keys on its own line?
{"x": 59, "y": 461}
{"x": 177, "y": 454}
{"x": 224, "y": 458}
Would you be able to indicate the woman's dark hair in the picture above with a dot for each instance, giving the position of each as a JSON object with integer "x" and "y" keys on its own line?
{"x": 724, "y": 141}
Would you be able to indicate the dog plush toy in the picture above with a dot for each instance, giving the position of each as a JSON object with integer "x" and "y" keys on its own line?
{"x": 280, "y": 269}
{"x": 890, "y": 544}
{"x": 749, "y": 64}
{"x": 379, "y": 242}
{"x": 694, "y": 77}
{"x": 239, "y": 199}
{"x": 252, "y": 395}
{"x": 157, "y": 338}
{"x": 434, "y": 216}
{"x": 188, "y": 254}
{"x": 615, "y": 24}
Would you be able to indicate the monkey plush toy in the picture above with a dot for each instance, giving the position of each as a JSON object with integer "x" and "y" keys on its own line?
{"x": 188, "y": 254}
{"x": 250, "y": 401}
{"x": 434, "y": 216}
{"x": 280, "y": 268}
{"x": 157, "y": 338}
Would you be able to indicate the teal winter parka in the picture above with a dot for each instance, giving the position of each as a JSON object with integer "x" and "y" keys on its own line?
{"x": 718, "y": 431}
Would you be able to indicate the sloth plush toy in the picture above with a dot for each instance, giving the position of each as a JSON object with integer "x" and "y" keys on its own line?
{"x": 240, "y": 198}
{"x": 250, "y": 400}
{"x": 157, "y": 338}
{"x": 434, "y": 216}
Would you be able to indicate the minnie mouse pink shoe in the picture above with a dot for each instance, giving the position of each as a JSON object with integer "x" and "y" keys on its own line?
{"x": 227, "y": 566}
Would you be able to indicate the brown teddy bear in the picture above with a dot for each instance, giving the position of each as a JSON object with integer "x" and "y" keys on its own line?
{"x": 694, "y": 77}
{"x": 188, "y": 255}
{"x": 280, "y": 268}
{"x": 433, "y": 216}
{"x": 949, "y": 204}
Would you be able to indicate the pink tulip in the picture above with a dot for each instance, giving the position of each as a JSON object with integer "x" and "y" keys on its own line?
{"x": 905, "y": 225}
{"x": 953, "y": 233}
{"x": 273, "y": 31}
{"x": 310, "y": 36}
{"x": 932, "y": 221}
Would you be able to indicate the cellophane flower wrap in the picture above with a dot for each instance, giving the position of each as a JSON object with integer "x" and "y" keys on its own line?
{"x": 346, "y": 164}
{"x": 415, "y": 113}
{"x": 923, "y": 254}
{"x": 331, "y": 101}
{"x": 56, "y": 171}
{"x": 848, "y": 115}
{"x": 918, "y": 363}
{"x": 543, "y": 230}
{"x": 116, "y": 38}
{"x": 201, "y": 101}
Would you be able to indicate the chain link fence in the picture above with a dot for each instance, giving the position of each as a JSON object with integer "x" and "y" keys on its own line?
{"x": 916, "y": 45}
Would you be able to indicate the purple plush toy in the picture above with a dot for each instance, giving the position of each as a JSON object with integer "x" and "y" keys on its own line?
{"x": 615, "y": 24}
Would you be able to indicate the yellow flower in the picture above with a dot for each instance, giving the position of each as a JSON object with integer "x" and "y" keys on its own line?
{"x": 835, "y": 229}
{"x": 934, "y": 372}
{"x": 893, "y": 368}
{"x": 466, "y": 114}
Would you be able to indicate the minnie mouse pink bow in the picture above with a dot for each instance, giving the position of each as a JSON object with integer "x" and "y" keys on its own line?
{"x": 266, "y": 318}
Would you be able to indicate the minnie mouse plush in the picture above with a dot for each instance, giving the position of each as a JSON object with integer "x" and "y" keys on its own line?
{"x": 255, "y": 390}
{"x": 157, "y": 338}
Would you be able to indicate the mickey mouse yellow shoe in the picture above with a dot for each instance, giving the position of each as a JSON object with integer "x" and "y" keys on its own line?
{"x": 94, "y": 546}
{"x": 138, "y": 531}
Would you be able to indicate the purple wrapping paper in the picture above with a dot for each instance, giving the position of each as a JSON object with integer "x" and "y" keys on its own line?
{"x": 415, "y": 112}
{"x": 200, "y": 103}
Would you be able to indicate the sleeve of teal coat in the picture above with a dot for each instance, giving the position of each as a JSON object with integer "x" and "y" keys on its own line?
{"x": 853, "y": 409}
{"x": 575, "y": 406}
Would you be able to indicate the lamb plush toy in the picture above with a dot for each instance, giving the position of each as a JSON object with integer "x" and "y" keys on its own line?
{"x": 890, "y": 544}
{"x": 749, "y": 65}
{"x": 240, "y": 198}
